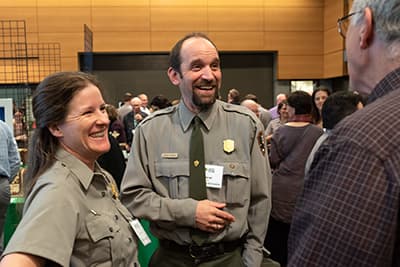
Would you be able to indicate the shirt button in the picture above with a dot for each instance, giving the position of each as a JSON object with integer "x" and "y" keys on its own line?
{"x": 111, "y": 229}
{"x": 103, "y": 194}
{"x": 232, "y": 166}
{"x": 116, "y": 217}
{"x": 130, "y": 239}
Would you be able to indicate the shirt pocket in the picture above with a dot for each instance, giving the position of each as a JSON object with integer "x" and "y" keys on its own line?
{"x": 102, "y": 233}
{"x": 174, "y": 176}
{"x": 237, "y": 181}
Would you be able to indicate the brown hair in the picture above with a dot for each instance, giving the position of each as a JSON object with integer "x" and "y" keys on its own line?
{"x": 50, "y": 107}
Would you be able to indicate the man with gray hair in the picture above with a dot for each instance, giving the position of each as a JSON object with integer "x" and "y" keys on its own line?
{"x": 348, "y": 213}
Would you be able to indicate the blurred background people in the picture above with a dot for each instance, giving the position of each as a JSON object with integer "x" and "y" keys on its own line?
{"x": 72, "y": 215}
{"x": 116, "y": 127}
{"x": 274, "y": 124}
{"x": 319, "y": 96}
{"x": 126, "y": 106}
{"x": 274, "y": 110}
{"x": 233, "y": 96}
{"x": 114, "y": 160}
{"x": 9, "y": 166}
{"x": 159, "y": 102}
{"x": 335, "y": 108}
{"x": 264, "y": 115}
{"x": 251, "y": 105}
{"x": 145, "y": 103}
{"x": 133, "y": 118}
{"x": 20, "y": 129}
{"x": 290, "y": 146}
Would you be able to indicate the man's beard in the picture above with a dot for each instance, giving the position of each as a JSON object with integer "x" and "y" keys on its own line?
{"x": 204, "y": 106}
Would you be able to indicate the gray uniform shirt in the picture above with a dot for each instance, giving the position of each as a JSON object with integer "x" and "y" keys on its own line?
{"x": 72, "y": 218}
{"x": 156, "y": 182}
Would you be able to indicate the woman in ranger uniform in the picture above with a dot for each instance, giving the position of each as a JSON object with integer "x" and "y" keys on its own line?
{"x": 72, "y": 215}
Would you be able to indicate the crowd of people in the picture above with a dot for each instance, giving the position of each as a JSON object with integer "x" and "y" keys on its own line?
{"x": 312, "y": 181}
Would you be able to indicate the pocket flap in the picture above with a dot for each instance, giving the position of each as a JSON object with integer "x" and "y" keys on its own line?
{"x": 172, "y": 168}
{"x": 100, "y": 227}
{"x": 236, "y": 169}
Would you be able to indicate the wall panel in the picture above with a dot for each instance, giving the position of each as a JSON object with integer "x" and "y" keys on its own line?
{"x": 70, "y": 43}
{"x": 333, "y": 64}
{"x": 332, "y": 41}
{"x": 127, "y": 42}
{"x": 293, "y": 19}
{"x": 119, "y": 3}
{"x": 120, "y": 19}
{"x": 70, "y": 63}
{"x": 164, "y": 41}
{"x": 293, "y": 3}
{"x": 297, "y": 29}
{"x": 235, "y": 19}
{"x": 238, "y": 41}
{"x": 178, "y": 19}
{"x": 21, "y": 13}
{"x": 59, "y": 3}
{"x": 300, "y": 67}
{"x": 62, "y": 20}
{"x": 332, "y": 11}
{"x": 295, "y": 43}
{"x": 230, "y": 3}
{"x": 179, "y": 3}
{"x": 19, "y": 3}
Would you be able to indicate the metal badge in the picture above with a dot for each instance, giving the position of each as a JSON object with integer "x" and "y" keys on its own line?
{"x": 229, "y": 145}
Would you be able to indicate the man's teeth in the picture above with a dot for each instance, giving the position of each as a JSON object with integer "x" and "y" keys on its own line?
{"x": 101, "y": 134}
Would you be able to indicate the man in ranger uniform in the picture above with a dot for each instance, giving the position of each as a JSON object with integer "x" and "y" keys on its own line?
{"x": 159, "y": 185}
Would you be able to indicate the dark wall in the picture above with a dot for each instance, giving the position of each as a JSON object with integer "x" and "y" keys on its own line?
{"x": 249, "y": 72}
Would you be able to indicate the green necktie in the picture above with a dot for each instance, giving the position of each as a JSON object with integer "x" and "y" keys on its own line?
{"x": 197, "y": 179}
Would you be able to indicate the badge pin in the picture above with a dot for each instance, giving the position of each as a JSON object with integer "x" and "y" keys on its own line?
{"x": 196, "y": 163}
{"x": 229, "y": 146}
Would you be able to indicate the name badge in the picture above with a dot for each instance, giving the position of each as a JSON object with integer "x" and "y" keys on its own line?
{"x": 140, "y": 232}
{"x": 214, "y": 174}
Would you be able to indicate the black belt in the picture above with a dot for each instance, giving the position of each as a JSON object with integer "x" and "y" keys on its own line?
{"x": 205, "y": 252}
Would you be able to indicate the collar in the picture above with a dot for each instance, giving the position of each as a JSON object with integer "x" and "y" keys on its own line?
{"x": 301, "y": 118}
{"x": 207, "y": 116}
{"x": 77, "y": 167}
{"x": 389, "y": 83}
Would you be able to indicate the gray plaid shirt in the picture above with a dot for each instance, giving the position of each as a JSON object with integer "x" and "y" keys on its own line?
{"x": 348, "y": 213}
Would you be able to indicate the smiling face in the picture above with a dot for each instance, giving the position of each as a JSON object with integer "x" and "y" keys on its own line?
{"x": 84, "y": 131}
{"x": 283, "y": 112}
{"x": 200, "y": 77}
{"x": 320, "y": 98}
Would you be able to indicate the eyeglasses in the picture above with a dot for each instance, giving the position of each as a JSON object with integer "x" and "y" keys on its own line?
{"x": 343, "y": 24}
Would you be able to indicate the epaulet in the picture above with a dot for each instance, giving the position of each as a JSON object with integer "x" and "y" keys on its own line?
{"x": 161, "y": 112}
{"x": 238, "y": 109}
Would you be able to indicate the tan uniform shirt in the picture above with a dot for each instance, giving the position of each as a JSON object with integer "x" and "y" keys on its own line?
{"x": 156, "y": 182}
{"x": 72, "y": 218}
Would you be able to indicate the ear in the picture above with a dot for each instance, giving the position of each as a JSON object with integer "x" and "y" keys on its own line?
{"x": 55, "y": 130}
{"x": 367, "y": 29}
{"x": 174, "y": 76}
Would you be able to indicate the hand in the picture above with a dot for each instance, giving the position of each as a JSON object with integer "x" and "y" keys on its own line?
{"x": 211, "y": 218}
{"x": 138, "y": 117}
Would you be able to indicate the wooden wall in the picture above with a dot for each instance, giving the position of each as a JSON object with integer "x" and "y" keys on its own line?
{"x": 334, "y": 64}
{"x": 302, "y": 31}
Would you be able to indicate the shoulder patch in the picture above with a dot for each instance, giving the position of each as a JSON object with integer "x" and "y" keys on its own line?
{"x": 261, "y": 142}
